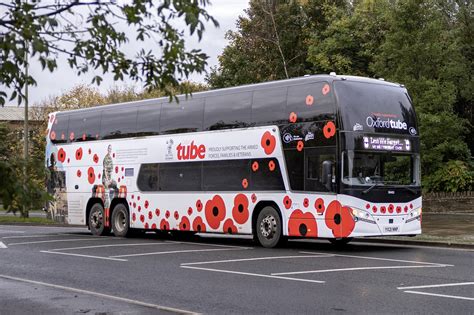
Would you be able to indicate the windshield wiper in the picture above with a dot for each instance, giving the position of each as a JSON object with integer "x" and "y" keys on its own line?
{"x": 370, "y": 188}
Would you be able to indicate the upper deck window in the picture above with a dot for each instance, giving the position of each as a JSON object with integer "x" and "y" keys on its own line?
{"x": 373, "y": 107}
{"x": 228, "y": 111}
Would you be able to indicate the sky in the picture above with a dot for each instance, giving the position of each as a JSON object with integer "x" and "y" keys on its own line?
{"x": 213, "y": 42}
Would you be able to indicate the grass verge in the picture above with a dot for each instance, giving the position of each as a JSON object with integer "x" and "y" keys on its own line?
{"x": 15, "y": 219}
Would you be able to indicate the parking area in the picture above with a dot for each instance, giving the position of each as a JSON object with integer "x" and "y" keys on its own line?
{"x": 214, "y": 274}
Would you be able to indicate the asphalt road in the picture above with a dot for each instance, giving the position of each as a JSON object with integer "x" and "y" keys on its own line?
{"x": 56, "y": 270}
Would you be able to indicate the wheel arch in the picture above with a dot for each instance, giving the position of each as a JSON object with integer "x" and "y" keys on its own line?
{"x": 259, "y": 207}
{"x": 90, "y": 203}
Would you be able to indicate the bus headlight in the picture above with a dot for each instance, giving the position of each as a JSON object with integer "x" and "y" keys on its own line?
{"x": 360, "y": 215}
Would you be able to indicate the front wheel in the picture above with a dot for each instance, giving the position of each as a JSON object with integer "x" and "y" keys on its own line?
{"x": 120, "y": 221}
{"x": 97, "y": 220}
{"x": 340, "y": 241}
{"x": 268, "y": 228}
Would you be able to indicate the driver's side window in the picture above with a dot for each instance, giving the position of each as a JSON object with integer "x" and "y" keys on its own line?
{"x": 320, "y": 170}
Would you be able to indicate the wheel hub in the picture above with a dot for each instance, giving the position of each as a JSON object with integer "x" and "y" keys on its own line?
{"x": 96, "y": 220}
{"x": 268, "y": 226}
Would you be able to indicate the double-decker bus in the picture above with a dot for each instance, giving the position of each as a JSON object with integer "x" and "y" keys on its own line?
{"x": 321, "y": 156}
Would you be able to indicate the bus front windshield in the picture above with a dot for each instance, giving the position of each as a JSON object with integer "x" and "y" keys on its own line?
{"x": 380, "y": 168}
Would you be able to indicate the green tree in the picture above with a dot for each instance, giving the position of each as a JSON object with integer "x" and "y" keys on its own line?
{"x": 87, "y": 34}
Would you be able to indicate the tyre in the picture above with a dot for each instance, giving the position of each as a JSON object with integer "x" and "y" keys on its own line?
{"x": 120, "y": 220}
{"x": 268, "y": 228}
{"x": 340, "y": 241}
{"x": 96, "y": 220}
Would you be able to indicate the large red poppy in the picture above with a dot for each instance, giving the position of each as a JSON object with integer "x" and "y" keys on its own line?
{"x": 61, "y": 155}
{"x": 91, "y": 175}
{"x": 268, "y": 142}
{"x": 229, "y": 227}
{"x": 164, "y": 225}
{"x": 240, "y": 211}
{"x": 198, "y": 225}
{"x": 329, "y": 130}
{"x": 287, "y": 202}
{"x": 79, "y": 154}
{"x": 319, "y": 205}
{"x": 184, "y": 225}
{"x": 215, "y": 211}
{"x": 302, "y": 224}
{"x": 339, "y": 219}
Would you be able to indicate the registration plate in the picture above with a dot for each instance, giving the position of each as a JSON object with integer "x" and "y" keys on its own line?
{"x": 391, "y": 229}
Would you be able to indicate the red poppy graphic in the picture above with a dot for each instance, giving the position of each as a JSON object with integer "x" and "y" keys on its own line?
{"x": 52, "y": 135}
{"x": 157, "y": 212}
{"x": 383, "y": 209}
{"x": 374, "y": 209}
{"x": 319, "y": 205}
{"x": 254, "y": 198}
{"x": 255, "y": 166}
{"x": 184, "y": 225}
{"x": 83, "y": 137}
{"x": 293, "y": 117}
{"x": 138, "y": 197}
{"x": 190, "y": 211}
{"x": 98, "y": 175}
{"x": 113, "y": 155}
{"x": 305, "y": 202}
{"x": 411, "y": 206}
{"x": 300, "y": 146}
{"x": 63, "y": 136}
{"x": 339, "y": 219}
{"x": 198, "y": 225}
{"x": 139, "y": 208}
{"x": 176, "y": 215}
{"x": 91, "y": 175}
{"x": 167, "y": 214}
{"x": 390, "y": 208}
{"x": 215, "y": 211}
{"x": 79, "y": 154}
{"x": 150, "y": 215}
{"x": 134, "y": 205}
{"x": 79, "y": 173}
{"x": 198, "y": 205}
{"x": 116, "y": 169}
{"x": 405, "y": 209}
{"x": 287, "y": 202}
{"x": 71, "y": 136}
{"x": 142, "y": 218}
{"x": 245, "y": 183}
{"x": 240, "y": 211}
{"x": 329, "y": 130}
{"x": 90, "y": 151}
{"x": 133, "y": 196}
{"x": 326, "y": 89}
{"x": 399, "y": 209}
{"x": 367, "y": 206}
{"x": 271, "y": 166}
{"x": 268, "y": 142}
{"x": 95, "y": 158}
{"x": 229, "y": 227}
{"x": 309, "y": 100}
{"x": 61, "y": 155}
{"x": 146, "y": 204}
{"x": 68, "y": 160}
{"x": 302, "y": 224}
{"x": 153, "y": 226}
{"x": 164, "y": 225}
{"x": 134, "y": 217}
{"x": 146, "y": 226}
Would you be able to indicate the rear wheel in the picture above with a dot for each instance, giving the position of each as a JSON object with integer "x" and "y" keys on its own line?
{"x": 268, "y": 228}
{"x": 97, "y": 220}
{"x": 120, "y": 220}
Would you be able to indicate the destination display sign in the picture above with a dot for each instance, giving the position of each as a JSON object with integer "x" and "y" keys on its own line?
{"x": 386, "y": 144}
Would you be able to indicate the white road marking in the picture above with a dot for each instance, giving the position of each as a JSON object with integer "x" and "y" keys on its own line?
{"x": 85, "y": 256}
{"x": 384, "y": 259}
{"x": 442, "y": 295}
{"x": 436, "y": 285}
{"x": 102, "y": 295}
{"x": 11, "y": 231}
{"x": 57, "y": 241}
{"x": 2, "y": 245}
{"x": 350, "y": 269}
{"x": 252, "y": 259}
{"x": 252, "y": 274}
{"x": 178, "y": 252}
{"x": 110, "y": 245}
{"x": 207, "y": 244}
{"x": 30, "y": 236}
